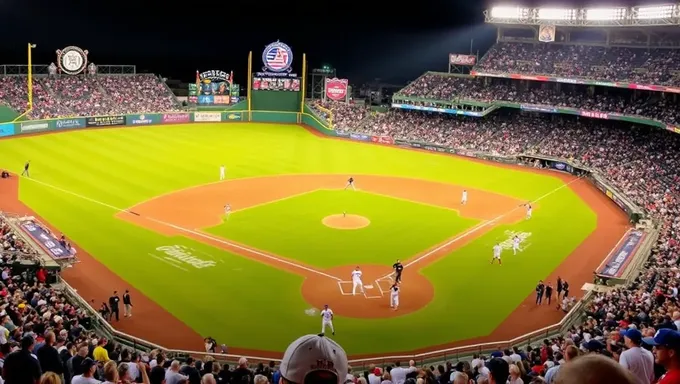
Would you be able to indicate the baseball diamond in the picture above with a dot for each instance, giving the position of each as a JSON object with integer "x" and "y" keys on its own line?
{"x": 274, "y": 246}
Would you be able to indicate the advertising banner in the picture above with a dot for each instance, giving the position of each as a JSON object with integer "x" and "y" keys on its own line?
{"x": 206, "y": 99}
{"x": 46, "y": 241}
{"x": 193, "y": 89}
{"x": 456, "y": 59}
{"x": 382, "y": 140}
{"x": 143, "y": 119}
{"x": 546, "y": 33}
{"x": 175, "y": 118}
{"x": 192, "y": 99}
{"x": 595, "y": 114}
{"x": 69, "y": 123}
{"x": 436, "y": 109}
{"x": 207, "y": 116}
{"x": 341, "y": 133}
{"x": 6, "y": 129}
{"x": 538, "y": 108}
{"x": 218, "y": 99}
{"x": 38, "y": 126}
{"x": 105, "y": 121}
{"x": 230, "y": 116}
{"x": 617, "y": 261}
{"x": 359, "y": 136}
{"x": 402, "y": 143}
{"x": 336, "y": 89}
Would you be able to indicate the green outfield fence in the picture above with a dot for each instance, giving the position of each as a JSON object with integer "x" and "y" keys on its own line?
{"x": 310, "y": 118}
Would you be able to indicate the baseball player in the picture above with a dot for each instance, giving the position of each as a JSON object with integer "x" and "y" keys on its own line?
{"x": 497, "y": 253}
{"x": 223, "y": 172}
{"x": 327, "y": 319}
{"x": 463, "y": 199}
{"x": 356, "y": 281}
{"x": 398, "y": 267}
{"x": 227, "y": 211}
{"x": 515, "y": 244}
{"x": 350, "y": 183}
{"x": 394, "y": 296}
{"x": 528, "y": 206}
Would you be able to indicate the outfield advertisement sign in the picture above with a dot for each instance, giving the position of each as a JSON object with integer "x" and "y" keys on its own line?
{"x": 34, "y": 127}
{"x": 436, "y": 109}
{"x": 382, "y": 140}
{"x": 359, "y": 136}
{"x": 69, "y": 123}
{"x": 207, "y": 116}
{"x": 6, "y": 129}
{"x": 143, "y": 119}
{"x": 105, "y": 121}
{"x": 538, "y": 108}
{"x": 46, "y": 241}
{"x": 176, "y": 118}
{"x": 230, "y": 116}
{"x": 341, "y": 133}
{"x": 617, "y": 261}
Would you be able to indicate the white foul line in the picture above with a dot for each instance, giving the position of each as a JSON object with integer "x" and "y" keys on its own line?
{"x": 480, "y": 226}
{"x": 242, "y": 248}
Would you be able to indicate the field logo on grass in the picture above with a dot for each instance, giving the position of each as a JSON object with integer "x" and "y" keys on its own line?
{"x": 311, "y": 312}
{"x": 506, "y": 244}
{"x": 182, "y": 254}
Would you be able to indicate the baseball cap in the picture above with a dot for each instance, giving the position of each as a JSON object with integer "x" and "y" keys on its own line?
{"x": 314, "y": 359}
{"x": 87, "y": 363}
{"x": 594, "y": 345}
{"x": 664, "y": 337}
{"x": 633, "y": 334}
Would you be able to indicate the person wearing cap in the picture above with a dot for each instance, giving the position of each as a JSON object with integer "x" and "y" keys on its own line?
{"x": 89, "y": 368}
{"x": 639, "y": 361}
{"x": 20, "y": 366}
{"x": 666, "y": 344}
{"x": 313, "y": 359}
{"x": 499, "y": 371}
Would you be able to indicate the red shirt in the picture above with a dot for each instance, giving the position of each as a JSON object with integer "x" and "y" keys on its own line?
{"x": 671, "y": 377}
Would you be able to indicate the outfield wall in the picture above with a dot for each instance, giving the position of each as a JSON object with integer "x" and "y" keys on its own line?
{"x": 309, "y": 118}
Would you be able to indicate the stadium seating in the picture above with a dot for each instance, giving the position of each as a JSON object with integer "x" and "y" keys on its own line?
{"x": 638, "y": 65}
{"x": 438, "y": 86}
{"x": 67, "y": 96}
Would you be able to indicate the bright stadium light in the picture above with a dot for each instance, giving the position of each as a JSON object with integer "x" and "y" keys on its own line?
{"x": 655, "y": 12}
{"x": 507, "y": 12}
{"x": 556, "y": 14}
{"x": 600, "y": 14}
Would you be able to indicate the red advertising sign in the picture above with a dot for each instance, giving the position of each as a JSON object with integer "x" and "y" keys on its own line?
{"x": 382, "y": 140}
{"x": 336, "y": 89}
{"x": 456, "y": 59}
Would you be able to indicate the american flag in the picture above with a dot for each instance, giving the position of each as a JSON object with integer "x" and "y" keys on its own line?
{"x": 277, "y": 58}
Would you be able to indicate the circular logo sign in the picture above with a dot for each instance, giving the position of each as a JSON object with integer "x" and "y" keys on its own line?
{"x": 72, "y": 60}
{"x": 336, "y": 89}
{"x": 277, "y": 57}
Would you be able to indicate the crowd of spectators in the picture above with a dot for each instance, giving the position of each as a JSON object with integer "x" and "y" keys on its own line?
{"x": 438, "y": 86}
{"x": 343, "y": 115}
{"x": 638, "y": 65}
{"x": 88, "y": 95}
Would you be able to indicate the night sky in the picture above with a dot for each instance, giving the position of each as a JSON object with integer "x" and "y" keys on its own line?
{"x": 363, "y": 40}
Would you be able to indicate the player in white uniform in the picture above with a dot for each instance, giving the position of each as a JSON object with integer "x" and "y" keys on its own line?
{"x": 463, "y": 199}
{"x": 356, "y": 281}
{"x": 528, "y": 211}
{"x": 515, "y": 244}
{"x": 327, "y": 319}
{"x": 223, "y": 172}
{"x": 227, "y": 211}
{"x": 394, "y": 296}
{"x": 497, "y": 253}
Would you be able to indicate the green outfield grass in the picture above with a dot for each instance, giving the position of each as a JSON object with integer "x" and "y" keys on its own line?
{"x": 399, "y": 229}
{"x": 122, "y": 167}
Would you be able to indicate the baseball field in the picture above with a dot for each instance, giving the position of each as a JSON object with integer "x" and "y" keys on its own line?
{"x": 145, "y": 208}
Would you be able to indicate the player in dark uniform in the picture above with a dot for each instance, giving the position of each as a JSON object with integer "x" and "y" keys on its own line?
{"x": 350, "y": 183}
{"x": 398, "y": 267}
{"x": 25, "y": 172}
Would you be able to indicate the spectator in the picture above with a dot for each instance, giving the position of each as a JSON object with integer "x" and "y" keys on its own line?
{"x": 100, "y": 354}
{"x": 313, "y": 359}
{"x": 593, "y": 369}
{"x": 20, "y": 367}
{"x": 49, "y": 357}
{"x": 666, "y": 344}
{"x": 242, "y": 374}
{"x": 639, "y": 361}
{"x": 89, "y": 369}
{"x": 50, "y": 378}
{"x": 172, "y": 375}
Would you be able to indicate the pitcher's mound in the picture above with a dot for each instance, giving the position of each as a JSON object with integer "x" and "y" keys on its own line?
{"x": 345, "y": 222}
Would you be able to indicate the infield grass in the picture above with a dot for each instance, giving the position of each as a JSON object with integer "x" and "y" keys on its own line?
{"x": 122, "y": 167}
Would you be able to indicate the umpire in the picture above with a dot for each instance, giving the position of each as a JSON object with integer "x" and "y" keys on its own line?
{"x": 398, "y": 267}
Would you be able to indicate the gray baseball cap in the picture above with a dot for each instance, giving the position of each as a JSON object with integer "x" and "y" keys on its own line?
{"x": 314, "y": 359}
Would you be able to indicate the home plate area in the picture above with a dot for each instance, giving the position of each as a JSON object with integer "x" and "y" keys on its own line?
{"x": 379, "y": 289}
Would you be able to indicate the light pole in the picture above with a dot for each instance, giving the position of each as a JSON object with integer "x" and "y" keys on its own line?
{"x": 30, "y": 77}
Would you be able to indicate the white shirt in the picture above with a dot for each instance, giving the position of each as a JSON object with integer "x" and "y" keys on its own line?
{"x": 640, "y": 362}
{"x": 79, "y": 379}
{"x": 356, "y": 275}
{"x": 222, "y": 169}
{"x": 464, "y": 194}
{"x": 516, "y": 241}
{"x": 373, "y": 379}
{"x": 327, "y": 315}
{"x": 394, "y": 292}
{"x": 399, "y": 374}
{"x": 496, "y": 250}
